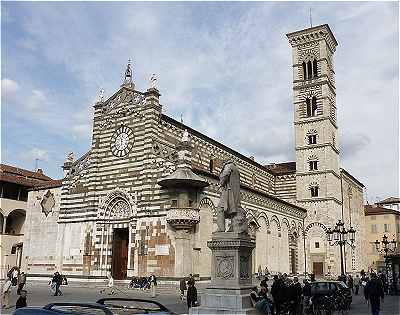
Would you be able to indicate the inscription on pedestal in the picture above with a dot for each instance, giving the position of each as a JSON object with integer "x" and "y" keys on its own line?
{"x": 225, "y": 267}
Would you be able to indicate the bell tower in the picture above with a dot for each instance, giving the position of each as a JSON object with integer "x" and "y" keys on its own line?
{"x": 318, "y": 184}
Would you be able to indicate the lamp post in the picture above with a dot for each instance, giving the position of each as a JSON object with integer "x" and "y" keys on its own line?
{"x": 385, "y": 247}
{"x": 340, "y": 236}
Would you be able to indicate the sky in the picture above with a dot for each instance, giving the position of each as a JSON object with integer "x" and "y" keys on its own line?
{"x": 225, "y": 67}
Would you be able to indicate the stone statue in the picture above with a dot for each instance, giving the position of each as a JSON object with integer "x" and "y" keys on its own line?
{"x": 229, "y": 204}
{"x": 70, "y": 157}
{"x": 153, "y": 81}
{"x": 185, "y": 136}
{"x": 101, "y": 96}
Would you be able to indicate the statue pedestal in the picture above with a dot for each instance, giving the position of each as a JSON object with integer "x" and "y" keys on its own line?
{"x": 231, "y": 276}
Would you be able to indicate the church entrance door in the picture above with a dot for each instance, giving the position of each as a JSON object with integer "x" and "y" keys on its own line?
{"x": 318, "y": 268}
{"x": 120, "y": 253}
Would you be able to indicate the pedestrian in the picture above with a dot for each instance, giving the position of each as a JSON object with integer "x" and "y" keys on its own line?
{"x": 191, "y": 297}
{"x": 306, "y": 294}
{"x": 14, "y": 276}
{"x": 264, "y": 283}
{"x": 56, "y": 281}
{"x": 278, "y": 292}
{"x": 182, "y": 288}
{"x": 266, "y": 272}
{"x": 350, "y": 283}
{"x": 259, "y": 273}
{"x": 21, "y": 282}
{"x": 373, "y": 293}
{"x": 110, "y": 284}
{"x": 357, "y": 281}
{"x": 296, "y": 292}
{"x": 153, "y": 285}
{"x": 21, "y": 302}
{"x": 6, "y": 294}
{"x": 261, "y": 301}
{"x": 191, "y": 280}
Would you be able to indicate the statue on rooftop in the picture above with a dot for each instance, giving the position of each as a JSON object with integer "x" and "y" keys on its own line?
{"x": 229, "y": 204}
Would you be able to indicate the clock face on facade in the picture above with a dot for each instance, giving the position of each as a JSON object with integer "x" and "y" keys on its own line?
{"x": 121, "y": 141}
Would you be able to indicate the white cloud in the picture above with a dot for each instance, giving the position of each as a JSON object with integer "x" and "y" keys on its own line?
{"x": 9, "y": 88}
{"x": 35, "y": 153}
{"x": 82, "y": 131}
{"x": 225, "y": 66}
{"x": 36, "y": 101}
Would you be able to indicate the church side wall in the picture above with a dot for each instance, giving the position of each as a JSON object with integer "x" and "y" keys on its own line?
{"x": 353, "y": 210}
{"x": 40, "y": 245}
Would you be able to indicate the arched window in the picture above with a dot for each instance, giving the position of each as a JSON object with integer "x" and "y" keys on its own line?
{"x": 211, "y": 165}
{"x": 309, "y": 69}
{"x": 304, "y": 71}
{"x": 314, "y": 191}
{"x": 314, "y": 106}
{"x": 315, "y": 68}
{"x": 308, "y": 105}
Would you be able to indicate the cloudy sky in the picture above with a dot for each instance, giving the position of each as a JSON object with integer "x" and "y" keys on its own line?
{"x": 226, "y": 67}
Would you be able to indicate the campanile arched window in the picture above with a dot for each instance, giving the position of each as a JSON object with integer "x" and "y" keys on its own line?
{"x": 304, "y": 70}
{"x": 314, "y": 106}
{"x": 309, "y": 69}
{"x": 315, "y": 68}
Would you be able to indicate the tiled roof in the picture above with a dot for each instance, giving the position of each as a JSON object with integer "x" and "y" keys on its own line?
{"x": 282, "y": 168}
{"x": 54, "y": 183}
{"x": 390, "y": 200}
{"x": 16, "y": 175}
{"x": 376, "y": 210}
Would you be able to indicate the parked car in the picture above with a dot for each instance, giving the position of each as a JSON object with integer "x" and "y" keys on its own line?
{"x": 108, "y": 306}
{"x": 330, "y": 288}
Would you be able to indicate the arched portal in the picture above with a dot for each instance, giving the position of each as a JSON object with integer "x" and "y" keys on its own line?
{"x": 116, "y": 215}
{"x": 15, "y": 222}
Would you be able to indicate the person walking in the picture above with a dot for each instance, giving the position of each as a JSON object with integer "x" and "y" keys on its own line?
{"x": 182, "y": 288}
{"x": 14, "y": 275}
{"x": 374, "y": 293}
{"x": 191, "y": 280}
{"x": 350, "y": 283}
{"x": 57, "y": 280}
{"x": 6, "y": 294}
{"x": 21, "y": 282}
{"x": 110, "y": 285}
{"x": 21, "y": 302}
{"x": 191, "y": 297}
{"x": 357, "y": 282}
{"x": 153, "y": 285}
{"x": 296, "y": 292}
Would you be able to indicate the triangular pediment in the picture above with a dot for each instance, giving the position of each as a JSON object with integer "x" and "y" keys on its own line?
{"x": 126, "y": 98}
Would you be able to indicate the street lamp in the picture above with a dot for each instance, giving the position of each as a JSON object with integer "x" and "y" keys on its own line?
{"x": 386, "y": 247}
{"x": 338, "y": 236}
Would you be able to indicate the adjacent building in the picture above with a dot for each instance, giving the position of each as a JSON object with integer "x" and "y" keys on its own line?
{"x": 380, "y": 221}
{"x": 14, "y": 185}
{"x": 143, "y": 199}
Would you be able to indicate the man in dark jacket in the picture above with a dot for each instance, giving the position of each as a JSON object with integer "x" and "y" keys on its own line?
{"x": 278, "y": 292}
{"x": 191, "y": 297}
{"x": 57, "y": 279}
{"x": 296, "y": 292}
{"x": 373, "y": 293}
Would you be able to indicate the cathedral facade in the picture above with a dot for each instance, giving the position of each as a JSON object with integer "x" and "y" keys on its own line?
{"x": 144, "y": 198}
